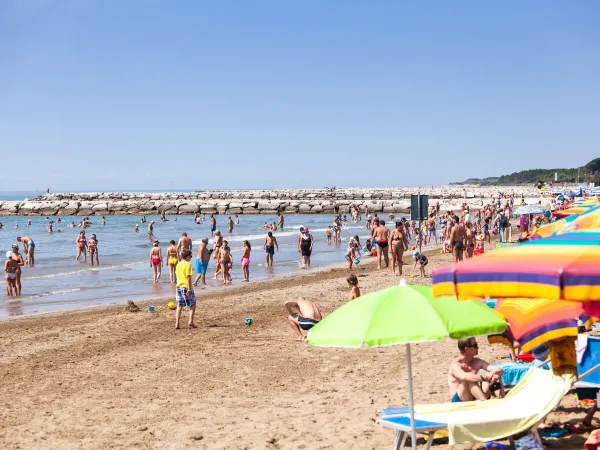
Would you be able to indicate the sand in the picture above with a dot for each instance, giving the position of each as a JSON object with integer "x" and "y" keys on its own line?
{"x": 108, "y": 378}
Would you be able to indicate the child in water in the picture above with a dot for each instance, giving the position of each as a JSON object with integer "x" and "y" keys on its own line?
{"x": 353, "y": 285}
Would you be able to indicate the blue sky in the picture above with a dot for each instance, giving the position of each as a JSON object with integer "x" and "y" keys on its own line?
{"x": 136, "y": 94}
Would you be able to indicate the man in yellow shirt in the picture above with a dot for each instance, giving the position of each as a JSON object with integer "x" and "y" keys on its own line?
{"x": 184, "y": 294}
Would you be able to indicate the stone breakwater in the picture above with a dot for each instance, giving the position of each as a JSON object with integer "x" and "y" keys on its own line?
{"x": 287, "y": 201}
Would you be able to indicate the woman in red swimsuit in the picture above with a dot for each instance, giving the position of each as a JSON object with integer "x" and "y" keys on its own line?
{"x": 81, "y": 242}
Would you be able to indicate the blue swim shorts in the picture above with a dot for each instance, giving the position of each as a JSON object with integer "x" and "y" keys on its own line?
{"x": 201, "y": 266}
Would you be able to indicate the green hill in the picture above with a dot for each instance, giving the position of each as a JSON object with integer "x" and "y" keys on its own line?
{"x": 590, "y": 173}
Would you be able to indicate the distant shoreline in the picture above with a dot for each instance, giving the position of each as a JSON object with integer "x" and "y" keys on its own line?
{"x": 285, "y": 201}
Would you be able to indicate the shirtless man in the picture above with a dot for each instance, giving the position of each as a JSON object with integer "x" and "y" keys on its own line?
{"x": 185, "y": 243}
{"x": 270, "y": 246}
{"x": 28, "y": 249}
{"x": 431, "y": 228}
{"x": 469, "y": 240}
{"x": 303, "y": 315}
{"x": 202, "y": 260}
{"x": 382, "y": 234}
{"x": 213, "y": 225}
{"x": 464, "y": 381}
{"x": 280, "y": 220}
{"x": 10, "y": 274}
{"x": 457, "y": 238}
{"x": 230, "y": 225}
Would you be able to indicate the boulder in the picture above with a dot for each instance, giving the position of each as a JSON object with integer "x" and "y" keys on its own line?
{"x": 251, "y": 211}
{"x": 188, "y": 208}
{"x": 304, "y": 208}
{"x": 100, "y": 207}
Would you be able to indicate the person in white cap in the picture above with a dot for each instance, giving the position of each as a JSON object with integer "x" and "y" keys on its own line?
{"x": 10, "y": 274}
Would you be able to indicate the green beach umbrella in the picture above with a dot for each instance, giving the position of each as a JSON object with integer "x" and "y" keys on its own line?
{"x": 404, "y": 315}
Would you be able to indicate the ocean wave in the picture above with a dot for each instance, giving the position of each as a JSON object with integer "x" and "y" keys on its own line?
{"x": 88, "y": 269}
{"x": 46, "y": 294}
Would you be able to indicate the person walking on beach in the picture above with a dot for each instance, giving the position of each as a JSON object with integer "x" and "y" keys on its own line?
{"x": 20, "y": 263}
{"x": 270, "y": 246}
{"x": 457, "y": 238}
{"x": 10, "y": 274}
{"x": 399, "y": 245}
{"x": 172, "y": 260}
{"x": 305, "y": 247}
{"x": 382, "y": 235}
{"x": 93, "y": 248}
{"x": 213, "y": 225}
{"x": 280, "y": 221}
{"x": 202, "y": 260}
{"x": 185, "y": 243}
{"x": 431, "y": 228}
{"x": 81, "y": 244}
{"x": 184, "y": 291}
{"x": 28, "y": 249}
{"x": 469, "y": 240}
{"x": 156, "y": 261}
{"x": 151, "y": 230}
{"x": 302, "y": 316}
{"x": 246, "y": 261}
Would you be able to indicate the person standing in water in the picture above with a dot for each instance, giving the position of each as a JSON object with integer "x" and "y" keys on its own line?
{"x": 270, "y": 246}
{"x": 280, "y": 221}
{"x": 93, "y": 248}
{"x": 172, "y": 260}
{"x": 28, "y": 249}
{"x": 156, "y": 261}
{"x": 151, "y": 230}
{"x": 10, "y": 274}
{"x": 213, "y": 225}
{"x": 229, "y": 225}
{"x": 19, "y": 258}
{"x": 185, "y": 243}
{"x": 305, "y": 247}
{"x": 81, "y": 243}
{"x": 202, "y": 260}
{"x": 246, "y": 261}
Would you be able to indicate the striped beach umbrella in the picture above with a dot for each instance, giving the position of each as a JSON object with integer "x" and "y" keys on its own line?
{"x": 564, "y": 267}
{"x": 587, "y": 219}
{"x": 535, "y": 321}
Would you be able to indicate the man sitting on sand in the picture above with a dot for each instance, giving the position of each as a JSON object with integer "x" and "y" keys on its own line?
{"x": 464, "y": 380}
{"x": 303, "y": 315}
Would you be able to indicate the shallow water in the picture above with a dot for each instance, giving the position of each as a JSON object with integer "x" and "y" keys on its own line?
{"x": 58, "y": 282}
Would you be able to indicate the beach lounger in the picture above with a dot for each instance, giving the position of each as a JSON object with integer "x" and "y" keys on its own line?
{"x": 523, "y": 408}
{"x": 402, "y": 424}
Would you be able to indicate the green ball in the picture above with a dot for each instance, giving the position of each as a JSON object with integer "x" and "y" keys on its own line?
{"x": 248, "y": 321}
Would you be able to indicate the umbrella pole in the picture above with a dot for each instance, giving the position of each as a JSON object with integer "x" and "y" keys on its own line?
{"x": 411, "y": 400}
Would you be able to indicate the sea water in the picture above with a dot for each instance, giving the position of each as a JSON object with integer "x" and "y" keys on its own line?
{"x": 59, "y": 282}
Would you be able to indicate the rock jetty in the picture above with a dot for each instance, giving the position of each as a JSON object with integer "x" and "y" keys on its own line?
{"x": 287, "y": 201}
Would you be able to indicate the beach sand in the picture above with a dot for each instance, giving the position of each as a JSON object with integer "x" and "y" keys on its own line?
{"x": 108, "y": 378}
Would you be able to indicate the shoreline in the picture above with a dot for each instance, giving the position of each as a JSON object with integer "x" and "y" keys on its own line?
{"x": 286, "y": 201}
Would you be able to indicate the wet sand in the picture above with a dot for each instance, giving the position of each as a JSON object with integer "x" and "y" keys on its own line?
{"x": 108, "y": 378}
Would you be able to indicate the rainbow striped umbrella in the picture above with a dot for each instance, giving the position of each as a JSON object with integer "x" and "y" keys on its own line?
{"x": 564, "y": 267}
{"x": 587, "y": 219}
{"x": 535, "y": 321}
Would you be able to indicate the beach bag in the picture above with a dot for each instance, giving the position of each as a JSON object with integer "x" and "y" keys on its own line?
{"x": 504, "y": 221}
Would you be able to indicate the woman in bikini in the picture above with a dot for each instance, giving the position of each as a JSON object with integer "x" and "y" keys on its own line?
{"x": 156, "y": 261}
{"x": 20, "y": 263}
{"x": 93, "y": 248}
{"x": 399, "y": 244}
{"x": 81, "y": 243}
{"x": 10, "y": 274}
{"x": 172, "y": 260}
{"x": 246, "y": 261}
